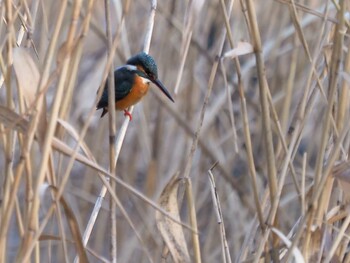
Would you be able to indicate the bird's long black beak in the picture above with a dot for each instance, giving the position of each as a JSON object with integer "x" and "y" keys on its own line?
{"x": 162, "y": 88}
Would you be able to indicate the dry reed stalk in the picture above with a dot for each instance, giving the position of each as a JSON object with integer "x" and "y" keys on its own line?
{"x": 266, "y": 121}
{"x": 298, "y": 60}
{"x": 201, "y": 142}
{"x": 110, "y": 190}
{"x": 9, "y": 140}
{"x": 303, "y": 193}
{"x": 284, "y": 146}
{"x": 318, "y": 189}
{"x": 121, "y": 135}
{"x": 103, "y": 191}
{"x": 306, "y": 102}
{"x": 112, "y": 132}
{"x": 249, "y": 150}
{"x": 146, "y": 46}
{"x": 193, "y": 11}
{"x": 308, "y": 10}
{"x": 33, "y": 215}
{"x": 76, "y": 58}
{"x": 332, "y": 89}
{"x": 263, "y": 87}
{"x": 188, "y": 190}
{"x": 117, "y": 144}
{"x": 116, "y": 200}
{"x": 217, "y": 206}
{"x": 20, "y": 166}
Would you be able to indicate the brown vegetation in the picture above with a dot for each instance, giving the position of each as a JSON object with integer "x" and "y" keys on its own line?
{"x": 249, "y": 165}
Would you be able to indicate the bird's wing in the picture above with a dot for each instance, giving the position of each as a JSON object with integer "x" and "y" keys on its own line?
{"x": 122, "y": 80}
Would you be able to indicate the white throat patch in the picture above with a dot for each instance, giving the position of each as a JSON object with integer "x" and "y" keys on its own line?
{"x": 145, "y": 81}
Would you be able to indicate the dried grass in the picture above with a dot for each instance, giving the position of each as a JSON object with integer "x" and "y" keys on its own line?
{"x": 261, "y": 90}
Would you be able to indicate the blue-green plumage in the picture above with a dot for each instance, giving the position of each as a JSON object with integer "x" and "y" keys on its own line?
{"x": 136, "y": 74}
{"x": 146, "y": 62}
{"x": 123, "y": 80}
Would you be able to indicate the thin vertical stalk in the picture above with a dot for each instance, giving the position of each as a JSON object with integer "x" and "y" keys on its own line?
{"x": 10, "y": 136}
{"x": 244, "y": 112}
{"x": 336, "y": 59}
{"x": 103, "y": 191}
{"x": 191, "y": 155}
{"x": 122, "y": 132}
{"x": 33, "y": 217}
{"x": 263, "y": 88}
{"x": 112, "y": 132}
{"x": 220, "y": 220}
{"x": 318, "y": 189}
{"x": 146, "y": 46}
{"x": 266, "y": 119}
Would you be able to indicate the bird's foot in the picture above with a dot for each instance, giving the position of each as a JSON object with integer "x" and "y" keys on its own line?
{"x": 126, "y": 113}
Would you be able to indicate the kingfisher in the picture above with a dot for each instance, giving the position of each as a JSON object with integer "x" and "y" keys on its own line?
{"x": 132, "y": 83}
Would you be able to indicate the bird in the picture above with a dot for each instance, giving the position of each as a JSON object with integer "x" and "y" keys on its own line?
{"x": 132, "y": 82}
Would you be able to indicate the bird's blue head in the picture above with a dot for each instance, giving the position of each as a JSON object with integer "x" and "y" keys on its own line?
{"x": 146, "y": 62}
{"x": 147, "y": 68}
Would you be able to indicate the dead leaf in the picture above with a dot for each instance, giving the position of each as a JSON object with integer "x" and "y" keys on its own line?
{"x": 27, "y": 74}
{"x": 12, "y": 120}
{"x": 28, "y": 78}
{"x": 242, "y": 48}
{"x": 172, "y": 232}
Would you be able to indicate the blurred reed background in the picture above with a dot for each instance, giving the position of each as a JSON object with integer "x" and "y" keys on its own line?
{"x": 262, "y": 110}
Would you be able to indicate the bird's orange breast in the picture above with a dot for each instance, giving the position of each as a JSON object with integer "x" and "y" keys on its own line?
{"x": 138, "y": 90}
